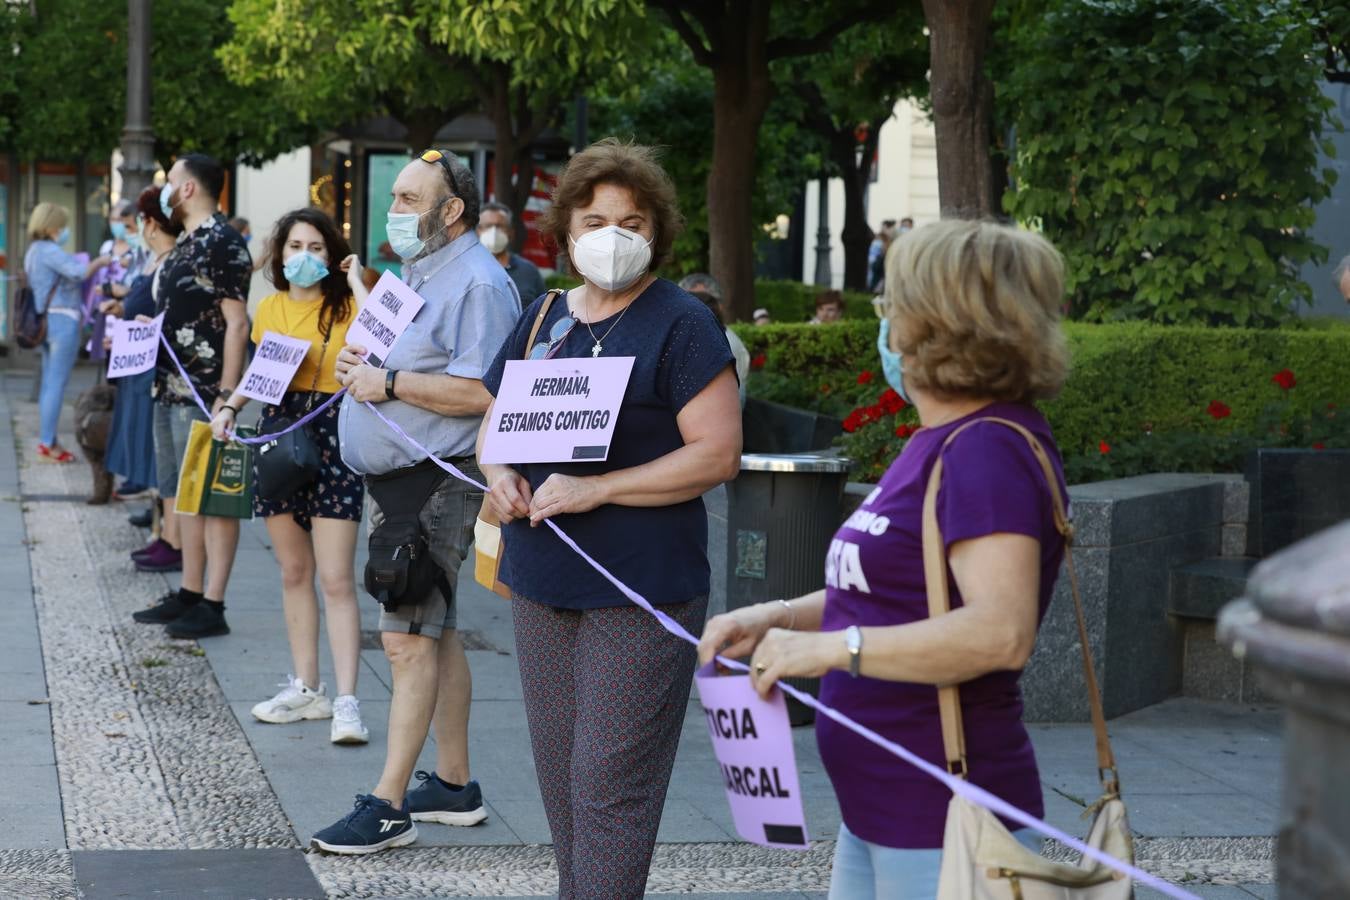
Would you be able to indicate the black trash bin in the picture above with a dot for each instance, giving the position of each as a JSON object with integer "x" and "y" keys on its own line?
{"x": 782, "y": 511}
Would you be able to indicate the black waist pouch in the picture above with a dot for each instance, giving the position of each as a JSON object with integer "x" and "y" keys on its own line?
{"x": 400, "y": 569}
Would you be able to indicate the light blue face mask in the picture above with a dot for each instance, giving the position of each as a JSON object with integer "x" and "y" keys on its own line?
{"x": 134, "y": 241}
{"x": 304, "y": 269}
{"x": 166, "y": 195}
{"x": 63, "y": 236}
{"x": 891, "y": 367}
{"x": 119, "y": 230}
{"x": 403, "y": 229}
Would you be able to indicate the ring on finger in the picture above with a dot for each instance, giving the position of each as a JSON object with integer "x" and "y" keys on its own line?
{"x": 760, "y": 668}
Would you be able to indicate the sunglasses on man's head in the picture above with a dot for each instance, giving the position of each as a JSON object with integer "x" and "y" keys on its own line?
{"x": 560, "y": 330}
{"x": 436, "y": 156}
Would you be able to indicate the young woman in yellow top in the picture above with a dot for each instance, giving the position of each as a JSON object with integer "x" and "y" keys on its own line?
{"x": 313, "y": 529}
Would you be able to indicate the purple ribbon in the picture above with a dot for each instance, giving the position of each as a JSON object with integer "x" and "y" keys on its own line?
{"x": 259, "y": 439}
{"x": 959, "y": 786}
{"x": 972, "y": 792}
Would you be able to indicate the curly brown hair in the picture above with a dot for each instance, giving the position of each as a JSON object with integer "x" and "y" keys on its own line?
{"x": 975, "y": 307}
{"x": 623, "y": 164}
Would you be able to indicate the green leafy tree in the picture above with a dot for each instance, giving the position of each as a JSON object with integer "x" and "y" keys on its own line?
{"x": 425, "y": 61}
{"x": 68, "y": 84}
{"x": 673, "y": 111}
{"x": 737, "y": 41}
{"x": 846, "y": 96}
{"x": 1169, "y": 148}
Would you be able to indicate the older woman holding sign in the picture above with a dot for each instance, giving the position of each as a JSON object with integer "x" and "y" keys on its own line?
{"x": 605, "y": 686}
{"x": 973, "y": 309}
{"x": 313, "y": 520}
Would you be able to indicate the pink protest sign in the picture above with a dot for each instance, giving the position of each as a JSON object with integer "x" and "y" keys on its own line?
{"x": 556, "y": 410}
{"x": 753, "y": 743}
{"x": 135, "y": 345}
{"x": 273, "y": 367}
{"x": 384, "y": 316}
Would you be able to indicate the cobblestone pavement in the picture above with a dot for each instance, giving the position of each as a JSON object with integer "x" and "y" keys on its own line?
{"x": 148, "y": 747}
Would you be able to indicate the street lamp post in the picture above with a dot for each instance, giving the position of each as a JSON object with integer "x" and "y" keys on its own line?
{"x": 138, "y": 139}
{"x": 823, "y": 274}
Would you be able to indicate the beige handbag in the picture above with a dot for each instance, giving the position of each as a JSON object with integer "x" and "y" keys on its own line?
{"x": 488, "y": 540}
{"x": 981, "y": 860}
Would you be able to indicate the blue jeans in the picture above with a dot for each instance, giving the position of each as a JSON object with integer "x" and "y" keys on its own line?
{"x": 62, "y": 347}
{"x": 864, "y": 871}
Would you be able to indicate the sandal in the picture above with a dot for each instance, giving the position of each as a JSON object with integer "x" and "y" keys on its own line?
{"x": 55, "y": 454}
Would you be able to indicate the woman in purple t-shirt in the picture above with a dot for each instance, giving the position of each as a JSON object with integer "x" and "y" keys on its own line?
{"x": 973, "y": 308}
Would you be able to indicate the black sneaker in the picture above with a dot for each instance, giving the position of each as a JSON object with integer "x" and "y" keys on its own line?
{"x": 166, "y": 609}
{"x": 141, "y": 519}
{"x": 373, "y": 825}
{"x": 201, "y": 620}
{"x": 432, "y": 801}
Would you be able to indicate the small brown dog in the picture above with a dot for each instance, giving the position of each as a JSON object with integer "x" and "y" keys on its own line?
{"x": 93, "y": 420}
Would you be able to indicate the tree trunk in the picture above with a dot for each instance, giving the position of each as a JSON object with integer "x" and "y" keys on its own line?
{"x": 962, "y": 99}
{"x": 857, "y": 173}
{"x": 741, "y": 90}
{"x": 517, "y": 123}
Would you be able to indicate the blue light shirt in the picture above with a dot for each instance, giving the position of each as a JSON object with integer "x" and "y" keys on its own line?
{"x": 47, "y": 264}
{"x": 471, "y": 309}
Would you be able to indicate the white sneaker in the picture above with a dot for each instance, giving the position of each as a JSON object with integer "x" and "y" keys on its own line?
{"x": 293, "y": 703}
{"x": 347, "y": 727}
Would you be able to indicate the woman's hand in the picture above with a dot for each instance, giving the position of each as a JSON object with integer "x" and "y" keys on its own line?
{"x": 737, "y": 633}
{"x": 806, "y": 654}
{"x": 222, "y": 424}
{"x": 508, "y": 492}
{"x": 560, "y": 494}
{"x": 111, "y": 307}
{"x": 352, "y": 266}
{"x": 144, "y": 320}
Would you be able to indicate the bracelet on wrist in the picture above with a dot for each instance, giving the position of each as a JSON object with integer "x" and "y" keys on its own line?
{"x": 792, "y": 613}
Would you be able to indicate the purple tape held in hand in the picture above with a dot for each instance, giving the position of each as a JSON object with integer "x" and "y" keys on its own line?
{"x": 971, "y": 792}
{"x": 258, "y": 439}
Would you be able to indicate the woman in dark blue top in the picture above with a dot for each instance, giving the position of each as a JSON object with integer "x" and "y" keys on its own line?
{"x": 605, "y": 687}
{"x": 131, "y": 444}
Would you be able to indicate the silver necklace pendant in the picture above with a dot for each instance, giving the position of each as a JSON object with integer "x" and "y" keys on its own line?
{"x": 595, "y": 351}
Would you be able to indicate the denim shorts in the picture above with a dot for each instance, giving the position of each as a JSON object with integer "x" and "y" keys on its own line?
{"x": 172, "y": 424}
{"x": 447, "y": 520}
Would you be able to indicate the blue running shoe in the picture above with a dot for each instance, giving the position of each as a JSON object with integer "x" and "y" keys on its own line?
{"x": 432, "y": 801}
{"x": 372, "y": 825}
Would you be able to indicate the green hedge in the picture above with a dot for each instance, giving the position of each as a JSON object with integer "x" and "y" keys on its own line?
{"x": 786, "y": 301}
{"x": 1135, "y": 388}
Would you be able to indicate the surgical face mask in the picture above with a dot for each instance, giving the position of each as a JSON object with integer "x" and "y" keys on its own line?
{"x": 166, "y": 200}
{"x": 63, "y": 236}
{"x": 304, "y": 269}
{"x": 134, "y": 240}
{"x": 404, "y": 232}
{"x": 891, "y": 366}
{"x": 494, "y": 238}
{"x": 611, "y": 258}
{"x": 119, "y": 230}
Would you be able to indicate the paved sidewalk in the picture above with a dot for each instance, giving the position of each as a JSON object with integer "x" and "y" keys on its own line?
{"x": 138, "y": 769}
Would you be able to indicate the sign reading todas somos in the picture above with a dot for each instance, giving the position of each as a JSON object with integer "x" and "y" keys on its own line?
{"x": 134, "y": 346}
{"x": 753, "y": 743}
{"x": 556, "y": 410}
{"x": 273, "y": 367}
{"x": 384, "y": 316}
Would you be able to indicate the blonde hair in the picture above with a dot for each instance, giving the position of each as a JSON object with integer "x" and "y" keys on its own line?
{"x": 975, "y": 310}
{"x": 46, "y": 217}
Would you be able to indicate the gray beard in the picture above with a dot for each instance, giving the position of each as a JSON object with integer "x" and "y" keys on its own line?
{"x": 433, "y": 243}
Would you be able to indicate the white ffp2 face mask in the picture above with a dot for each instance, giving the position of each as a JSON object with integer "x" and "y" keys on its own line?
{"x": 611, "y": 258}
{"x": 494, "y": 239}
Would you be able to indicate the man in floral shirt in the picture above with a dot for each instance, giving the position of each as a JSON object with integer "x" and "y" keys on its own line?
{"x": 202, "y": 289}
